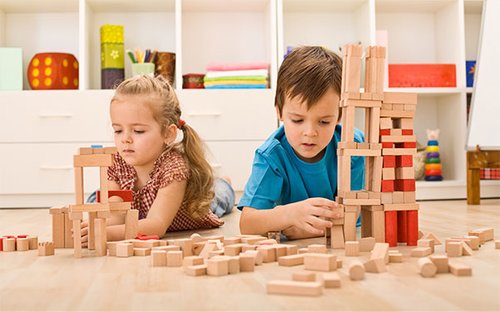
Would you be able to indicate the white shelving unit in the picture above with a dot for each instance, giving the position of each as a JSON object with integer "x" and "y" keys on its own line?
{"x": 39, "y": 130}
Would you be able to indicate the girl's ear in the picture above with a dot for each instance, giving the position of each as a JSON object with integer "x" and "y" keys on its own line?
{"x": 170, "y": 134}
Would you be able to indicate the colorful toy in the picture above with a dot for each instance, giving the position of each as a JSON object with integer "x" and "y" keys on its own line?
{"x": 53, "y": 71}
{"x": 112, "y": 56}
{"x": 433, "y": 161}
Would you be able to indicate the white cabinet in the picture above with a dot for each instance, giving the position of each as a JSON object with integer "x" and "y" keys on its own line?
{"x": 39, "y": 130}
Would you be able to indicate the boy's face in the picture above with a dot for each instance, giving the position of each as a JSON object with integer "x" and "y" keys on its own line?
{"x": 310, "y": 131}
{"x": 138, "y": 136}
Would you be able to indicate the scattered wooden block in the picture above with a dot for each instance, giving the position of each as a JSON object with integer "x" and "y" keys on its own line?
{"x": 331, "y": 280}
{"x": 356, "y": 270}
{"x": 433, "y": 237}
{"x": 366, "y": 244}
{"x": 380, "y": 251}
{"x": 375, "y": 265}
{"x": 459, "y": 268}
{"x": 196, "y": 270}
{"x": 259, "y": 258}
{"x": 159, "y": 258}
{"x": 33, "y": 242}
{"x": 473, "y": 241}
{"x": 484, "y": 234}
{"x": 454, "y": 249}
{"x": 320, "y": 262}
{"x": 125, "y": 250}
{"x": 141, "y": 252}
{"x": 317, "y": 248}
{"x": 395, "y": 257}
{"x": 22, "y": 244}
{"x": 247, "y": 262}
{"x": 234, "y": 265}
{"x": 174, "y": 258}
{"x": 466, "y": 250}
{"x": 339, "y": 263}
{"x": 441, "y": 263}
{"x": 424, "y": 242}
{"x": 497, "y": 244}
{"x": 192, "y": 260}
{"x": 421, "y": 252}
{"x": 352, "y": 249}
{"x": 291, "y": 260}
{"x": 217, "y": 266}
{"x": 268, "y": 253}
{"x": 304, "y": 276}
{"x": 426, "y": 267}
{"x": 9, "y": 244}
{"x": 294, "y": 288}
{"x": 44, "y": 248}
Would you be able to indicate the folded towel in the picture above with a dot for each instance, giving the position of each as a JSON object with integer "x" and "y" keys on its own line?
{"x": 237, "y": 66}
{"x": 234, "y": 82}
{"x": 233, "y": 73}
{"x": 239, "y": 78}
{"x": 240, "y": 86}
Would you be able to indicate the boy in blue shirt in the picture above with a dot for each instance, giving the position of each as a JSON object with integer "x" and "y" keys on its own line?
{"x": 293, "y": 183}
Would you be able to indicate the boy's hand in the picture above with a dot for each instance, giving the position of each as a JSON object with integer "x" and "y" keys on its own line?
{"x": 307, "y": 214}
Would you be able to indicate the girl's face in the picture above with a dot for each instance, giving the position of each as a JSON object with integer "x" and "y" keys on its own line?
{"x": 139, "y": 138}
{"x": 310, "y": 131}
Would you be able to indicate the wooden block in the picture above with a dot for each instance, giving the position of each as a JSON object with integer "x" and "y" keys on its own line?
{"x": 331, "y": 280}
{"x": 398, "y": 197}
{"x": 246, "y": 247}
{"x": 215, "y": 253}
{"x": 45, "y": 249}
{"x": 33, "y": 242}
{"x": 317, "y": 248}
{"x": 111, "y": 247}
{"x": 9, "y": 244}
{"x": 320, "y": 262}
{"x": 150, "y": 243}
{"x": 454, "y": 249}
{"x": 426, "y": 243}
{"x": 386, "y": 198}
{"x": 356, "y": 270}
{"x": 421, "y": 252}
{"x": 401, "y": 207}
{"x": 94, "y": 160}
{"x": 294, "y": 288}
{"x": 159, "y": 258}
{"x": 339, "y": 263}
{"x": 291, "y": 260}
{"x": 234, "y": 265}
{"x": 409, "y": 197}
{"x": 196, "y": 270}
{"x": 259, "y": 257}
{"x": 459, "y": 268}
{"x": 473, "y": 241}
{"x": 207, "y": 249}
{"x": 400, "y": 97}
{"x": 192, "y": 260}
{"x": 57, "y": 228}
{"x": 303, "y": 276}
{"x": 386, "y": 123}
{"x": 142, "y": 252}
{"x": 22, "y": 244}
{"x": 388, "y": 173}
{"x": 247, "y": 262}
{"x": 232, "y": 241}
{"x": 380, "y": 251}
{"x": 125, "y": 250}
{"x": 466, "y": 250}
{"x": 268, "y": 253}
{"x": 100, "y": 237}
{"x": 395, "y": 257}
{"x": 186, "y": 245}
{"x": 217, "y": 267}
{"x": 174, "y": 258}
{"x": 497, "y": 244}
{"x": 375, "y": 265}
{"x": 426, "y": 267}
{"x": 405, "y": 173}
{"x": 351, "y": 248}
{"x": 484, "y": 234}
{"x": 441, "y": 263}
{"x": 291, "y": 249}
{"x": 252, "y": 240}
{"x": 131, "y": 223}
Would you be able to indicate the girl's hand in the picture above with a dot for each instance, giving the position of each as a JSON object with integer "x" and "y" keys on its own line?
{"x": 84, "y": 233}
{"x": 308, "y": 215}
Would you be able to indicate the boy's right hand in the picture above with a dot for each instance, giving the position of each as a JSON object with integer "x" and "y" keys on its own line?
{"x": 307, "y": 214}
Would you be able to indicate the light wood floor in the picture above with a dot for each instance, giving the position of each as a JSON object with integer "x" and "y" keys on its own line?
{"x": 61, "y": 282}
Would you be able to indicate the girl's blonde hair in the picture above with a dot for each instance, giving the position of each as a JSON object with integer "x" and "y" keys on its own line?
{"x": 159, "y": 95}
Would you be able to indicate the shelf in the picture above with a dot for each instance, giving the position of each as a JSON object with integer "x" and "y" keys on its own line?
{"x": 317, "y": 6}
{"x": 224, "y": 5}
{"x": 427, "y": 91}
{"x": 454, "y": 189}
{"x": 37, "y": 6}
{"x": 131, "y": 6}
{"x": 473, "y": 6}
{"x": 414, "y": 6}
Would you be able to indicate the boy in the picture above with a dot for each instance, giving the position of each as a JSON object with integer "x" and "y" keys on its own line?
{"x": 294, "y": 176}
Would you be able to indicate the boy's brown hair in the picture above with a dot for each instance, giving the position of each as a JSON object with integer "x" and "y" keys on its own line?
{"x": 308, "y": 72}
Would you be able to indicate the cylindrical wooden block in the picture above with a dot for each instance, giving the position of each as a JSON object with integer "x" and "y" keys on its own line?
{"x": 391, "y": 228}
{"x": 9, "y": 244}
{"x": 356, "y": 270}
{"x": 426, "y": 267}
{"x": 23, "y": 244}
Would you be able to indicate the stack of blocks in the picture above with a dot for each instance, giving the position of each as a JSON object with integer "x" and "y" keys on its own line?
{"x": 98, "y": 212}
{"x": 387, "y": 203}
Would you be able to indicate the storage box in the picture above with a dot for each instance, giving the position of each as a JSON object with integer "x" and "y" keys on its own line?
{"x": 11, "y": 69}
{"x": 422, "y": 75}
{"x": 470, "y": 67}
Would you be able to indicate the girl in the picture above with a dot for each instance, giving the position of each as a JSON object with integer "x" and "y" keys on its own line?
{"x": 172, "y": 182}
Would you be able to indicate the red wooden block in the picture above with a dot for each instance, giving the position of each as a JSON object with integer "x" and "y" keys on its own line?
{"x": 404, "y": 161}
{"x": 387, "y": 145}
{"x": 402, "y": 223}
{"x": 406, "y": 185}
{"x": 407, "y": 131}
{"x": 391, "y": 228}
{"x": 50, "y": 71}
{"x": 412, "y": 228}
{"x": 126, "y": 195}
{"x": 389, "y": 162}
{"x": 385, "y": 132}
{"x": 387, "y": 185}
{"x": 1, "y": 243}
{"x": 406, "y": 145}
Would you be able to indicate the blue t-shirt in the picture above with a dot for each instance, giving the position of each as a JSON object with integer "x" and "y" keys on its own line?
{"x": 279, "y": 177}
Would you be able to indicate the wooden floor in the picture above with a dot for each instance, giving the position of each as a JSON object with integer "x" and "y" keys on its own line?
{"x": 61, "y": 282}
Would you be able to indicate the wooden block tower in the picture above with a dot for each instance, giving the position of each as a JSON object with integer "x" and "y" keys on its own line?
{"x": 98, "y": 212}
{"x": 382, "y": 149}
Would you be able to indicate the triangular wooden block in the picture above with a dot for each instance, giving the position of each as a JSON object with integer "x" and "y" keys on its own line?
{"x": 432, "y": 236}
